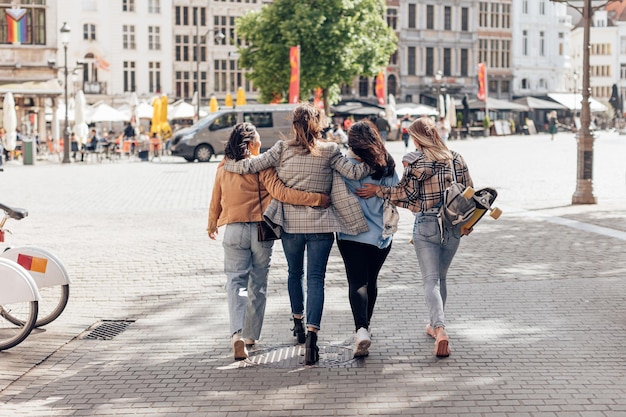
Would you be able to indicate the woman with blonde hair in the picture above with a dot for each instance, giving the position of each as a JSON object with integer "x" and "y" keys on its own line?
{"x": 428, "y": 172}
{"x": 309, "y": 163}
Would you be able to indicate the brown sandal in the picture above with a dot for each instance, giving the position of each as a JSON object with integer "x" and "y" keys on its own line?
{"x": 430, "y": 331}
{"x": 442, "y": 347}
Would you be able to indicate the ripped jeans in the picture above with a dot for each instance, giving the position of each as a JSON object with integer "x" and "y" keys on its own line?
{"x": 434, "y": 255}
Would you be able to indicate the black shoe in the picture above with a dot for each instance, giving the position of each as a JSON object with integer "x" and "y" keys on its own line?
{"x": 298, "y": 329}
{"x": 311, "y": 353}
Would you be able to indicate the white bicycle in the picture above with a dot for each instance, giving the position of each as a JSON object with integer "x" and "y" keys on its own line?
{"x": 34, "y": 286}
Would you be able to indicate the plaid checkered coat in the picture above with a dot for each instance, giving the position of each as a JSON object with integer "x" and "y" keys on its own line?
{"x": 321, "y": 174}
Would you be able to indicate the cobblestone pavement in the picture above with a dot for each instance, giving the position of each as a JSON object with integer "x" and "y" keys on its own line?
{"x": 536, "y": 311}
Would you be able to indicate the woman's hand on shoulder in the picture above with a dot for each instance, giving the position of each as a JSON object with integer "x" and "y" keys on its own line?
{"x": 368, "y": 190}
{"x": 325, "y": 201}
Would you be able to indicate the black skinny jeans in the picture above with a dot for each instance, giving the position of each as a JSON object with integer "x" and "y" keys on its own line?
{"x": 363, "y": 263}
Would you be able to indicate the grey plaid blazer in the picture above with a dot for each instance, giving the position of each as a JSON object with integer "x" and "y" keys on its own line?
{"x": 319, "y": 174}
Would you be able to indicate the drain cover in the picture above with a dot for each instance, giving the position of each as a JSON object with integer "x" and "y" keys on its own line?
{"x": 106, "y": 329}
{"x": 293, "y": 357}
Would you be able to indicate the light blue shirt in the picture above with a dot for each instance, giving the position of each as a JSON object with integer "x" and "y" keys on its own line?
{"x": 372, "y": 210}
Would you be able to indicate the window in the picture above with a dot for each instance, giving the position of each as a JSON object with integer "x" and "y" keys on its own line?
{"x": 493, "y": 86}
{"x": 181, "y": 48}
{"x": 129, "y": 76}
{"x": 464, "y": 62}
{"x": 363, "y": 87}
{"x": 199, "y": 48}
{"x": 505, "y": 50}
{"x": 430, "y": 61}
{"x": 623, "y": 71}
{"x": 392, "y": 85}
{"x": 259, "y": 119}
{"x": 154, "y": 6}
{"x": 154, "y": 77}
{"x": 494, "y": 60}
{"x": 447, "y": 18}
{"x": 542, "y": 44}
{"x": 128, "y": 37}
{"x": 525, "y": 42}
{"x": 542, "y": 7}
{"x": 392, "y": 18}
{"x": 505, "y": 86}
{"x": 483, "y": 49}
{"x": 525, "y": 7}
{"x": 228, "y": 76}
{"x": 482, "y": 14}
{"x": 226, "y": 26}
{"x": 495, "y": 15}
{"x": 89, "y": 32}
{"x": 447, "y": 61}
{"x": 182, "y": 84}
{"x": 128, "y": 6}
{"x": 412, "y": 13}
{"x": 411, "y": 70}
{"x": 225, "y": 121}
{"x": 525, "y": 84}
{"x": 506, "y": 16}
{"x": 393, "y": 59}
{"x": 464, "y": 19}
{"x": 154, "y": 38}
{"x": 31, "y": 26}
{"x": 430, "y": 16}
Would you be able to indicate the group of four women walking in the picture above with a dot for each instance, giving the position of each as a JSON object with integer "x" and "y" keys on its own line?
{"x": 311, "y": 190}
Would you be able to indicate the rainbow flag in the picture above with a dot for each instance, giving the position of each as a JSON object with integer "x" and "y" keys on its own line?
{"x": 32, "y": 263}
{"x": 17, "y": 30}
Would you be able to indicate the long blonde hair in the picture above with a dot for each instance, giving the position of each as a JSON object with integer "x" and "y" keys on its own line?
{"x": 424, "y": 132}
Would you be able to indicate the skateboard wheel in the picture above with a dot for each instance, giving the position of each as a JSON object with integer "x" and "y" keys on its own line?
{"x": 495, "y": 213}
{"x": 468, "y": 193}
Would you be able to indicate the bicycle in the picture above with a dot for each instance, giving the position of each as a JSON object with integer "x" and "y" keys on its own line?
{"x": 18, "y": 292}
{"x": 47, "y": 271}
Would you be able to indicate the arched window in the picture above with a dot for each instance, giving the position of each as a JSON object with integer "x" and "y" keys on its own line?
{"x": 525, "y": 84}
{"x": 392, "y": 84}
{"x": 363, "y": 86}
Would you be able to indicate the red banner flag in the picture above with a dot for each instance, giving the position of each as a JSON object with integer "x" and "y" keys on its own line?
{"x": 380, "y": 88}
{"x": 482, "y": 82}
{"x": 294, "y": 81}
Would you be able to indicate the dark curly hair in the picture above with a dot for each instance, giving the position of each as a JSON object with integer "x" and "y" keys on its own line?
{"x": 365, "y": 142}
{"x": 237, "y": 145}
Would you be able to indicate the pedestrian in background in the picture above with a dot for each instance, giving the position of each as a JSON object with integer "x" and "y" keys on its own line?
{"x": 306, "y": 162}
{"x": 404, "y": 128}
{"x": 364, "y": 254}
{"x": 383, "y": 126}
{"x": 428, "y": 172}
{"x": 246, "y": 260}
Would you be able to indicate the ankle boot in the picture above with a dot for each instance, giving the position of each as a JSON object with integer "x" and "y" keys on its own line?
{"x": 311, "y": 354}
{"x": 298, "y": 329}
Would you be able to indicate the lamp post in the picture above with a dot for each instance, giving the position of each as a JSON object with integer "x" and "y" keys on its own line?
{"x": 219, "y": 36}
{"x": 575, "y": 98}
{"x": 65, "y": 39}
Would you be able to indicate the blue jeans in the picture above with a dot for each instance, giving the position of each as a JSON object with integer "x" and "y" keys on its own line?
{"x": 246, "y": 263}
{"x": 434, "y": 257}
{"x": 317, "y": 247}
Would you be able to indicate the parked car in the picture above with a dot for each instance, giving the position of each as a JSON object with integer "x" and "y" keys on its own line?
{"x": 208, "y": 136}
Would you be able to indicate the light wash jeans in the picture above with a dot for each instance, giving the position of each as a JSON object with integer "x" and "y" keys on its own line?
{"x": 246, "y": 263}
{"x": 317, "y": 247}
{"x": 434, "y": 257}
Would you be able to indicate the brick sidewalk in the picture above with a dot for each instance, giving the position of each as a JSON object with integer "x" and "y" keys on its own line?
{"x": 535, "y": 313}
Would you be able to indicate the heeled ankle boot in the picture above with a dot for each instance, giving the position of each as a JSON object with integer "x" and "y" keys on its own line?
{"x": 298, "y": 329}
{"x": 311, "y": 353}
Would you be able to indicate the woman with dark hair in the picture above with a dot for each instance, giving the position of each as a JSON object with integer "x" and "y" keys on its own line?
{"x": 246, "y": 260}
{"x": 428, "y": 172}
{"x": 364, "y": 254}
{"x": 308, "y": 162}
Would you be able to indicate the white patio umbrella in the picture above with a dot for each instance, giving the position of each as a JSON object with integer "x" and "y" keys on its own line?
{"x": 144, "y": 110}
{"x": 102, "y": 112}
{"x": 441, "y": 105}
{"x": 390, "y": 111}
{"x": 183, "y": 110}
{"x": 10, "y": 122}
{"x": 81, "y": 130}
{"x": 134, "y": 114}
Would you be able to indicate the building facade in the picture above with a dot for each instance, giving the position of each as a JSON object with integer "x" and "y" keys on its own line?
{"x": 541, "y": 48}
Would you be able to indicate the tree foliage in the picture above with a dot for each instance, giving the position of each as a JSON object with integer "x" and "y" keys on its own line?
{"x": 339, "y": 40}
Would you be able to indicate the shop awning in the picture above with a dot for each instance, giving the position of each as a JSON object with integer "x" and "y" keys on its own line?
{"x": 534, "y": 103}
{"x": 495, "y": 104}
{"x": 33, "y": 88}
{"x": 573, "y": 101}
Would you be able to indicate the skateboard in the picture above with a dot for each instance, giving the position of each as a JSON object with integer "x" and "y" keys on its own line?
{"x": 484, "y": 199}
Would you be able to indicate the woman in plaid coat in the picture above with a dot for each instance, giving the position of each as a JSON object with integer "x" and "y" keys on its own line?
{"x": 307, "y": 162}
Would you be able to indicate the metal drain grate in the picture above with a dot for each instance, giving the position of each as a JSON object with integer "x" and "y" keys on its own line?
{"x": 107, "y": 329}
{"x": 293, "y": 357}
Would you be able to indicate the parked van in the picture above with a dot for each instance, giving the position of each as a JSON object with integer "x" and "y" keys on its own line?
{"x": 209, "y": 136}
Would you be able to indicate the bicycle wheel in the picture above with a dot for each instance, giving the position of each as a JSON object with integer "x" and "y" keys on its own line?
{"x": 10, "y": 334}
{"x": 52, "y": 303}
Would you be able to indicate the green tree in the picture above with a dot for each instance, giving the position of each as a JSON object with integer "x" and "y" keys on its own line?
{"x": 339, "y": 40}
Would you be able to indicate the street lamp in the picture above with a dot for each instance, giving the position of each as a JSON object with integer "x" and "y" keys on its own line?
{"x": 575, "y": 75}
{"x": 219, "y": 36}
{"x": 65, "y": 40}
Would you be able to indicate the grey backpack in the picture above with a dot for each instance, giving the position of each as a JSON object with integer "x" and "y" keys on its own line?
{"x": 455, "y": 209}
